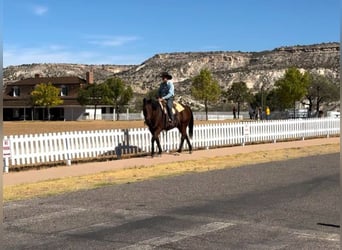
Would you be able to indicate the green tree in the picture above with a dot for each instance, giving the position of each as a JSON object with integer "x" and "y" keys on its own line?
{"x": 272, "y": 100}
{"x": 152, "y": 94}
{"x": 119, "y": 94}
{"x": 262, "y": 87}
{"x": 94, "y": 94}
{"x": 320, "y": 90}
{"x": 46, "y": 95}
{"x": 205, "y": 88}
{"x": 292, "y": 87}
{"x": 239, "y": 93}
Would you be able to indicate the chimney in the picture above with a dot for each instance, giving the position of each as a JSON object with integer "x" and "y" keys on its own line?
{"x": 90, "y": 77}
{"x": 36, "y": 75}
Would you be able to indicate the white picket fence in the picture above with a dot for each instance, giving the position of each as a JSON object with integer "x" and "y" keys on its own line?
{"x": 70, "y": 146}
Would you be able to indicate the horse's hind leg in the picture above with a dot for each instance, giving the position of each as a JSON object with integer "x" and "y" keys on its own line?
{"x": 189, "y": 144}
{"x": 181, "y": 144}
{"x": 159, "y": 146}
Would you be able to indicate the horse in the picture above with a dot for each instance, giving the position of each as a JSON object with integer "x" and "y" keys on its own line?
{"x": 157, "y": 121}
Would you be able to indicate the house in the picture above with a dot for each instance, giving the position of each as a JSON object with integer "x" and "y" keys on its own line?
{"x": 17, "y": 103}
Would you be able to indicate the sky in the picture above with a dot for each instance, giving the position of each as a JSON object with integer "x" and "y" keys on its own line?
{"x": 126, "y": 32}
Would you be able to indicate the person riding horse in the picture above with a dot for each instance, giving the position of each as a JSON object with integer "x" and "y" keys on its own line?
{"x": 166, "y": 92}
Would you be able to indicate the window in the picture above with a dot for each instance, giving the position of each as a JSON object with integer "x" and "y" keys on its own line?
{"x": 15, "y": 91}
{"x": 64, "y": 90}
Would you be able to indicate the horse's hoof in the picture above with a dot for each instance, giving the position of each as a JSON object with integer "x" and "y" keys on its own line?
{"x": 176, "y": 154}
{"x": 190, "y": 152}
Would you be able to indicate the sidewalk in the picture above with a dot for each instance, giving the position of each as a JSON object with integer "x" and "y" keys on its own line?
{"x": 31, "y": 176}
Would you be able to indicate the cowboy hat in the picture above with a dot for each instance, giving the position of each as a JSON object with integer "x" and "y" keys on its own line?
{"x": 166, "y": 75}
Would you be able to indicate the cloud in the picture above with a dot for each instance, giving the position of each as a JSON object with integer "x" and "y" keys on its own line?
{"x": 40, "y": 10}
{"x": 17, "y": 56}
{"x": 111, "y": 41}
{"x": 59, "y": 54}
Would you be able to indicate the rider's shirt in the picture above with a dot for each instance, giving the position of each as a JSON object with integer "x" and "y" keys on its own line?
{"x": 166, "y": 90}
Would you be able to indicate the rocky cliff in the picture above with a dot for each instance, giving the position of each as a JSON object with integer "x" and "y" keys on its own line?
{"x": 101, "y": 72}
{"x": 227, "y": 67}
{"x": 254, "y": 68}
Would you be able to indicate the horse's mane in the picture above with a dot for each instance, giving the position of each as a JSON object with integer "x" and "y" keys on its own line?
{"x": 154, "y": 103}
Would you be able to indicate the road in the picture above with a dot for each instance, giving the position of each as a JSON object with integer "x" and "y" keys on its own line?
{"x": 280, "y": 205}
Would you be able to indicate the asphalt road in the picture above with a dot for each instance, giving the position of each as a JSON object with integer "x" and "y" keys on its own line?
{"x": 281, "y": 205}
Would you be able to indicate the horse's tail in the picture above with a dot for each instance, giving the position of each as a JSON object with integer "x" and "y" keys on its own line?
{"x": 191, "y": 123}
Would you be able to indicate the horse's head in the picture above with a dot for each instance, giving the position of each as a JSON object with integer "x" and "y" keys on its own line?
{"x": 149, "y": 107}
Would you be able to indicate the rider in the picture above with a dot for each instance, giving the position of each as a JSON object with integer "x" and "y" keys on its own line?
{"x": 166, "y": 92}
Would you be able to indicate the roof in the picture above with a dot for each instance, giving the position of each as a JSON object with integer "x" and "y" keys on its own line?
{"x": 54, "y": 80}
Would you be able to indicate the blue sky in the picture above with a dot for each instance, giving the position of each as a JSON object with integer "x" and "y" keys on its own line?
{"x": 131, "y": 31}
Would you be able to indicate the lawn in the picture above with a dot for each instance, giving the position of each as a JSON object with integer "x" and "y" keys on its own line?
{"x": 36, "y": 127}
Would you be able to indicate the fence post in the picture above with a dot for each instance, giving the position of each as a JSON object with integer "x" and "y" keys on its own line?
{"x": 206, "y": 134}
{"x": 6, "y": 163}
{"x": 245, "y": 133}
{"x": 6, "y": 153}
{"x": 118, "y": 151}
{"x": 123, "y": 148}
{"x": 328, "y": 130}
{"x": 126, "y": 141}
{"x": 67, "y": 146}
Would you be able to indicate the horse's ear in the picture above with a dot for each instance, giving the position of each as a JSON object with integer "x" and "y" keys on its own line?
{"x": 144, "y": 100}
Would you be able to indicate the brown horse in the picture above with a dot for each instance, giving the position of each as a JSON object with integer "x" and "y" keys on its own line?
{"x": 157, "y": 121}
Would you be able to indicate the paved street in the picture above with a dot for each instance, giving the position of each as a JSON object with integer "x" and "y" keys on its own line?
{"x": 281, "y": 205}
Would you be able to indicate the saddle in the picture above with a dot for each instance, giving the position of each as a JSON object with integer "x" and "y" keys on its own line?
{"x": 176, "y": 107}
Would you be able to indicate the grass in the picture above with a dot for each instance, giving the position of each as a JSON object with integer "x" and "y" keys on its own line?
{"x": 141, "y": 173}
{"x": 38, "y": 127}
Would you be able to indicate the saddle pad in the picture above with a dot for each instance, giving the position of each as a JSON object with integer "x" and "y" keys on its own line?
{"x": 178, "y": 106}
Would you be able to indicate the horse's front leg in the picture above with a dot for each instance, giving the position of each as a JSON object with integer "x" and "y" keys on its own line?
{"x": 159, "y": 146}
{"x": 152, "y": 146}
{"x": 155, "y": 139}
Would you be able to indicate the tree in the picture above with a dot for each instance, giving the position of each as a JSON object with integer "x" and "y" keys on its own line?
{"x": 152, "y": 94}
{"x": 239, "y": 93}
{"x": 263, "y": 87}
{"x": 119, "y": 93}
{"x": 94, "y": 94}
{"x": 205, "y": 88}
{"x": 46, "y": 95}
{"x": 320, "y": 90}
{"x": 272, "y": 100}
{"x": 292, "y": 87}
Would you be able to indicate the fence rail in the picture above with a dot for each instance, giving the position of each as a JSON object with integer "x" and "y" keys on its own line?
{"x": 70, "y": 146}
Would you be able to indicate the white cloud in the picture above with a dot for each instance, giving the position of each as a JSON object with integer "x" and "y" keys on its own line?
{"x": 59, "y": 54}
{"x": 40, "y": 10}
{"x": 111, "y": 41}
{"x": 17, "y": 56}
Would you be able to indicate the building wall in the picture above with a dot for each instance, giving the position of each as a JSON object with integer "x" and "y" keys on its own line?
{"x": 91, "y": 113}
{"x": 73, "y": 113}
